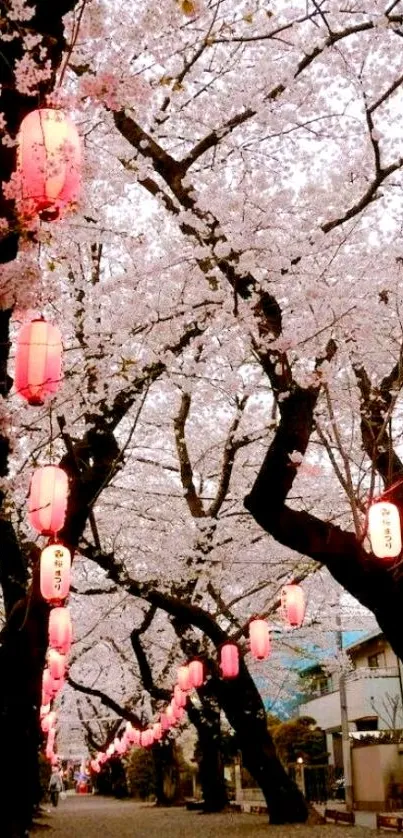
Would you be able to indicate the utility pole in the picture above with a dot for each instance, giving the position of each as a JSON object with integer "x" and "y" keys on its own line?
{"x": 345, "y": 733}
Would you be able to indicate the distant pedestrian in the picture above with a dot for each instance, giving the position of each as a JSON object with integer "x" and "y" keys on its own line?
{"x": 55, "y": 786}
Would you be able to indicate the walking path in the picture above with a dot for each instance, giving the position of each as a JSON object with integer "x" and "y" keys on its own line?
{"x": 100, "y": 817}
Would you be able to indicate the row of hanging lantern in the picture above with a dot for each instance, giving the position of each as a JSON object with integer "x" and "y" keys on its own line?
{"x": 189, "y": 676}
{"x": 293, "y": 611}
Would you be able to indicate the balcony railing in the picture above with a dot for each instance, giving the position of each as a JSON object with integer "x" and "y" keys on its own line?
{"x": 360, "y": 674}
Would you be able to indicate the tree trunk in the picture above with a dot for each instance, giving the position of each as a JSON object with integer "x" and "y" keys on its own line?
{"x": 243, "y": 706}
{"x": 166, "y": 774}
{"x": 211, "y": 764}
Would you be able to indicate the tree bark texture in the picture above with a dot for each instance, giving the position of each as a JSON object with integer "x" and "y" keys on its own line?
{"x": 210, "y": 758}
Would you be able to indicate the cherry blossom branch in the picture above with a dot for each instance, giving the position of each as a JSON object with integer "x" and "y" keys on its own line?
{"x": 121, "y": 710}
{"x": 186, "y": 472}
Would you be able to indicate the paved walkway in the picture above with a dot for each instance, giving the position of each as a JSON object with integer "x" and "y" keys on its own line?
{"x": 97, "y": 817}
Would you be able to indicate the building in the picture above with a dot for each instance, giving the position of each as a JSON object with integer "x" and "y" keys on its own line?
{"x": 374, "y": 693}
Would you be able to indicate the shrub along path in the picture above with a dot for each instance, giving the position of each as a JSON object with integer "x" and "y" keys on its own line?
{"x": 100, "y": 817}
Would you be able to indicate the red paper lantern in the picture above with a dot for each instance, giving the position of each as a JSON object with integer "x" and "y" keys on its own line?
{"x": 229, "y": 660}
{"x": 60, "y": 630}
{"x": 179, "y": 696}
{"x": 259, "y": 637}
{"x": 196, "y": 673}
{"x": 55, "y": 572}
{"x": 293, "y": 605}
{"x": 48, "y": 499}
{"x": 184, "y": 678}
{"x": 384, "y": 530}
{"x": 49, "y": 162}
{"x": 38, "y": 361}
{"x": 56, "y": 664}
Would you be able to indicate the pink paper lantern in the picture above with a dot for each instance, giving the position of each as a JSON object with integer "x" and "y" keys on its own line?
{"x": 196, "y": 673}
{"x": 179, "y": 696}
{"x": 55, "y": 569}
{"x": 184, "y": 678}
{"x": 49, "y": 163}
{"x": 293, "y": 605}
{"x": 384, "y": 530}
{"x": 56, "y": 664}
{"x": 48, "y": 499}
{"x": 229, "y": 660}
{"x": 259, "y": 636}
{"x": 38, "y": 361}
{"x": 60, "y": 630}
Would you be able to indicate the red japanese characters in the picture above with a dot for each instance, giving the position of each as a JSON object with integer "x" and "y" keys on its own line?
{"x": 384, "y": 530}
{"x": 55, "y": 573}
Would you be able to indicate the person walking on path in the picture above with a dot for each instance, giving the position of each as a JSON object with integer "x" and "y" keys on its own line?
{"x": 55, "y": 786}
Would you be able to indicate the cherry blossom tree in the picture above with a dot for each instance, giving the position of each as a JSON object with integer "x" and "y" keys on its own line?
{"x": 240, "y": 220}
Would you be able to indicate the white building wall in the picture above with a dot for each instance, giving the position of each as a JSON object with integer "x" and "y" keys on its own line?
{"x": 366, "y": 696}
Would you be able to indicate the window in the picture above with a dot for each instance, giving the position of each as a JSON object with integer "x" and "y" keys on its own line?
{"x": 376, "y": 661}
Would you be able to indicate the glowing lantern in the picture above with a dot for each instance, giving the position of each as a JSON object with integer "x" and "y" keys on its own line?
{"x": 179, "y": 696}
{"x": 48, "y": 686}
{"x": 56, "y": 664}
{"x": 49, "y": 159}
{"x": 119, "y": 746}
{"x": 60, "y": 630}
{"x": 48, "y": 499}
{"x": 55, "y": 573}
{"x": 44, "y": 710}
{"x": 179, "y": 713}
{"x": 48, "y": 721}
{"x": 95, "y": 767}
{"x": 384, "y": 530}
{"x": 157, "y": 730}
{"x": 229, "y": 660}
{"x": 49, "y": 752}
{"x": 196, "y": 673}
{"x": 101, "y": 757}
{"x": 165, "y": 722}
{"x": 170, "y": 713}
{"x": 146, "y": 738}
{"x": 136, "y": 737}
{"x": 38, "y": 361}
{"x": 110, "y": 750}
{"x": 293, "y": 605}
{"x": 259, "y": 639}
{"x": 51, "y": 737}
{"x": 184, "y": 678}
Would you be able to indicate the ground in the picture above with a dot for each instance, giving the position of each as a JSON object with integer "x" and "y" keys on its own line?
{"x": 97, "y": 817}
